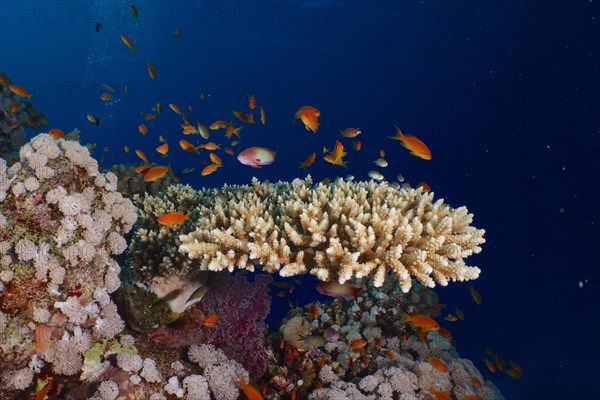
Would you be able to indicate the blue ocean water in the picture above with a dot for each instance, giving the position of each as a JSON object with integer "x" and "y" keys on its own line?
{"x": 505, "y": 93}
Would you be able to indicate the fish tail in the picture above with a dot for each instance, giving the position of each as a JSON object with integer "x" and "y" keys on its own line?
{"x": 405, "y": 317}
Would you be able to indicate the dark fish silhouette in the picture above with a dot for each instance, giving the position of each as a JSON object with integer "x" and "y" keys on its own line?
{"x": 98, "y": 27}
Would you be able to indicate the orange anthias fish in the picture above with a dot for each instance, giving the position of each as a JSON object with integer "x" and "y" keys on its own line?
{"x": 335, "y": 289}
{"x": 56, "y": 133}
{"x": 309, "y": 109}
{"x": 251, "y": 391}
{"x": 13, "y": 108}
{"x": 309, "y": 160}
{"x": 149, "y": 116}
{"x": 490, "y": 365}
{"x": 232, "y": 130}
{"x": 310, "y": 121}
{"x": 209, "y": 169}
{"x": 105, "y": 97}
{"x": 475, "y": 381}
{"x": 142, "y": 168}
{"x": 263, "y": 116}
{"x": 210, "y": 146}
{"x": 220, "y": 124}
{"x": 439, "y": 395}
{"x": 133, "y": 11}
{"x": 172, "y": 219}
{"x": 20, "y": 91}
{"x": 336, "y": 157}
{"x": 151, "y": 71}
{"x": 126, "y": 149}
{"x": 421, "y": 321}
{"x": 350, "y": 132}
{"x": 216, "y": 159}
{"x": 189, "y": 129}
{"x": 163, "y": 149}
{"x": 175, "y": 108}
{"x": 356, "y": 145}
{"x": 187, "y": 146}
{"x": 460, "y": 314}
{"x": 128, "y": 42}
{"x": 211, "y": 321}
{"x": 141, "y": 155}
{"x": 475, "y": 294}
{"x": 426, "y": 187}
{"x": 451, "y": 318}
{"x": 251, "y": 101}
{"x": 4, "y": 80}
{"x": 108, "y": 87}
{"x": 438, "y": 364}
{"x": 143, "y": 129}
{"x": 357, "y": 344}
{"x": 243, "y": 117}
{"x": 156, "y": 173}
{"x": 416, "y": 146}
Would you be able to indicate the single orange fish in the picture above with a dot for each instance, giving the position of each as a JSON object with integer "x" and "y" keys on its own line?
{"x": 439, "y": 395}
{"x": 438, "y": 364}
{"x": 421, "y": 321}
{"x": 143, "y": 129}
{"x": 128, "y": 42}
{"x": 514, "y": 373}
{"x": 220, "y": 124}
{"x": 20, "y": 91}
{"x": 263, "y": 116}
{"x": 210, "y": 146}
{"x": 4, "y": 80}
{"x": 156, "y": 173}
{"x": 475, "y": 381}
{"x": 460, "y": 314}
{"x": 163, "y": 149}
{"x": 357, "y": 344}
{"x": 310, "y": 121}
{"x": 489, "y": 352}
{"x": 251, "y": 391}
{"x": 209, "y": 169}
{"x": 162, "y": 139}
{"x": 175, "y": 108}
{"x": 350, "y": 132}
{"x": 211, "y": 321}
{"x": 382, "y": 153}
{"x": 158, "y": 108}
{"x": 187, "y": 146}
{"x": 216, "y": 159}
{"x": 126, "y": 148}
{"x": 56, "y": 133}
{"x": 515, "y": 366}
{"x": 229, "y": 151}
{"x": 416, "y": 146}
{"x": 389, "y": 355}
{"x": 133, "y": 11}
{"x": 426, "y": 187}
{"x": 151, "y": 71}
{"x": 335, "y": 289}
{"x": 234, "y": 143}
{"x": 172, "y": 219}
{"x": 445, "y": 333}
{"x": 241, "y": 116}
{"x": 309, "y": 109}
{"x": 189, "y": 129}
{"x": 142, "y": 168}
{"x": 500, "y": 363}
{"x": 377, "y": 341}
{"x": 108, "y": 87}
{"x": 356, "y": 145}
{"x": 251, "y": 101}
{"x": 490, "y": 365}
{"x": 313, "y": 310}
{"x": 281, "y": 293}
{"x": 309, "y": 160}
{"x": 141, "y": 155}
{"x": 12, "y": 108}
{"x": 149, "y": 116}
{"x": 475, "y": 295}
{"x": 105, "y": 97}
{"x": 232, "y": 130}
{"x": 451, "y": 318}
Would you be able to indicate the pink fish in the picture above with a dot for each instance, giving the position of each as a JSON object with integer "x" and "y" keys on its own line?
{"x": 335, "y": 289}
{"x": 257, "y": 156}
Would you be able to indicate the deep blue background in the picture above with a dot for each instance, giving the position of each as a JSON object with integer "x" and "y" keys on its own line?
{"x": 505, "y": 93}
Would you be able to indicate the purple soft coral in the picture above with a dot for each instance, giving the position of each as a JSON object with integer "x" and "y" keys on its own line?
{"x": 242, "y": 307}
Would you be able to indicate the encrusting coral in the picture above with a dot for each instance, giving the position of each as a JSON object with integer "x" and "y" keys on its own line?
{"x": 336, "y": 231}
{"x": 61, "y": 220}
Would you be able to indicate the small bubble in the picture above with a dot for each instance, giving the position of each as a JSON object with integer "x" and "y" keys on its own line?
{"x": 580, "y": 284}
{"x": 561, "y": 210}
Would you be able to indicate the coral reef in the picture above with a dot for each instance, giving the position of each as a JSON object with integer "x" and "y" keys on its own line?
{"x": 60, "y": 223}
{"x": 15, "y": 113}
{"x": 335, "y": 231}
{"x": 361, "y": 349}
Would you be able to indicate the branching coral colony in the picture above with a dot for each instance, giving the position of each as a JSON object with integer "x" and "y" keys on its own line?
{"x": 62, "y": 335}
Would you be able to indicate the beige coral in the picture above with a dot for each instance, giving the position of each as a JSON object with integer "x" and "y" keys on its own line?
{"x": 335, "y": 231}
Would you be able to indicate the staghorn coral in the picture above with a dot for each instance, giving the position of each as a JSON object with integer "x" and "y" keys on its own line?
{"x": 59, "y": 231}
{"x": 335, "y": 231}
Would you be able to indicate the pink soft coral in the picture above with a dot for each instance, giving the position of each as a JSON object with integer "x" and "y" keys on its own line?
{"x": 242, "y": 307}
